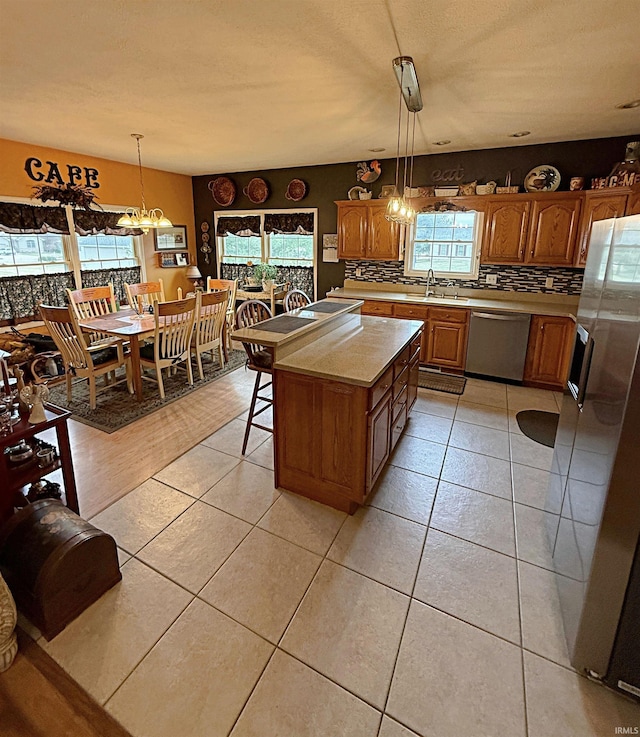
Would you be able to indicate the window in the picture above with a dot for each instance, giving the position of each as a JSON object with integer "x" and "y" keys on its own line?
{"x": 447, "y": 242}
{"x": 289, "y": 249}
{"x": 32, "y": 254}
{"x": 237, "y": 249}
{"x": 279, "y": 249}
{"x": 107, "y": 251}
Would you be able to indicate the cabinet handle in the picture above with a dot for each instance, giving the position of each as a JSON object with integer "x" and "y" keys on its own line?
{"x": 542, "y": 328}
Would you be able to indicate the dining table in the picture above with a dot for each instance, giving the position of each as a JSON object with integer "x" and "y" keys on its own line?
{"x": 130, "y": 326}
{"x": 279, "y": 292}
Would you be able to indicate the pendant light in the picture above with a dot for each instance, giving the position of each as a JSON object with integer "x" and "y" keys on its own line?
{"x": 399, "y": 210}
{"x": 143, "y": 218}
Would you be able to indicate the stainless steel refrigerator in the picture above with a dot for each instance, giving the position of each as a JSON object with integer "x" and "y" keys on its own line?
{"x": 595, "y": 478}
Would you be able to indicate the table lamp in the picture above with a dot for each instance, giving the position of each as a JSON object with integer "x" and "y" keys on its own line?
{"x": 194, "y": 275}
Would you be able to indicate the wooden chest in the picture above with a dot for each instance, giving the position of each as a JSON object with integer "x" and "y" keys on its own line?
{"x": 55, "y": 563}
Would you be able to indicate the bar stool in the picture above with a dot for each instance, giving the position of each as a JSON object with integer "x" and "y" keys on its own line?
{"x": 259, "y": 359}
{"x": 294, "y": 299}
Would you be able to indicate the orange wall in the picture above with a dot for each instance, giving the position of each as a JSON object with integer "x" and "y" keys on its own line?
{"x": 119, "y": 185}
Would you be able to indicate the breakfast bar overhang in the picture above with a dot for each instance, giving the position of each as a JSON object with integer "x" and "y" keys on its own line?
{"x": 343, "y": 385}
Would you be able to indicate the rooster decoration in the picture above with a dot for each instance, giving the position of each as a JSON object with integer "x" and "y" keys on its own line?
{"x": 368, "y": 171}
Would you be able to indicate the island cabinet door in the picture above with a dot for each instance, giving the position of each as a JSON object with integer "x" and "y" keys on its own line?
{"x": 352, "y": 231}
{"x": 553, "y": 231}
{"x": 505, "y": 232}
{"x": 320, "y": 429}
{"x": 378, "y": 439}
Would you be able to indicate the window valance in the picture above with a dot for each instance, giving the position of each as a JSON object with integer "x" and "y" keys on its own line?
{"x": 28, "y": 219}
{"x": 92, "y": 222}
{"x": 17, "y": 218}
{"x": 289, "y": 222}
{"x": 244, "y": 226}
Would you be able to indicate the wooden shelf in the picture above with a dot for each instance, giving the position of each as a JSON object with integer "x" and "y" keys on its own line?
{"x": 171, "y": 259}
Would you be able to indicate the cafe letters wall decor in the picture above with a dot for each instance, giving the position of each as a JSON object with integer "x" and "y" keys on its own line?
{"x": 74, "y": 188}
{"x": 50, "y": 173}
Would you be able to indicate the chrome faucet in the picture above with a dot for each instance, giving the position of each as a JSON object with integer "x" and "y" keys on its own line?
{"x": 430, "y": 280}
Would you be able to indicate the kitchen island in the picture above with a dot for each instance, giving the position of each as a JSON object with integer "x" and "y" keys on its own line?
{"x": 343, "y": 389}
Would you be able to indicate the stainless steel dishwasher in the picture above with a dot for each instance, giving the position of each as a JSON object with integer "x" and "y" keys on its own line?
{"x": 498, "y": 344}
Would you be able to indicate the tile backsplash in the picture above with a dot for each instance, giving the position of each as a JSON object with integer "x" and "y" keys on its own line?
{"x": 510, "y": 278}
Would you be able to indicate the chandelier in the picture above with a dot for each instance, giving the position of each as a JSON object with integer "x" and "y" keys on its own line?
{"x": 399, "y": 209}
{"x": 143, "y": 218}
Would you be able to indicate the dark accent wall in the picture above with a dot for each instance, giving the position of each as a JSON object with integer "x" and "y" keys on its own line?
{"x": 330, "y": 182}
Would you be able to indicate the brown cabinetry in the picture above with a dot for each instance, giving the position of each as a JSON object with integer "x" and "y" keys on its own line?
{"x": 505, "y": 232}
{"x": 365, "y": 233}
{"x": 446, "y": 343}
{"x": 333, "y": 439}
{"x": 538, "y": 228}
{"x": 597, "y": 207}
{"x": 446, "y": 329}
{"x": 553, "y": 231}
{"x": 633, "y": 203}
{"x": 549, "y": 351}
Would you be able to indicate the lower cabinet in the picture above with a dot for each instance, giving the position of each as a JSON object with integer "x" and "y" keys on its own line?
{"x": 445, "y": 334}
{"x": 333, "y": 439}
{"x": 549, "y": 351}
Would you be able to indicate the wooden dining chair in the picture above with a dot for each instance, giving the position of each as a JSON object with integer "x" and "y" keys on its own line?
{"x": 171, "y": 345}
{"x": 79, "y": 359}
{"x": 294, "y": 299}
{"x": 94, "y": 302}
{"x": 208, "y": 333}
{"x": 231, "y": 285}
{"x": 142, "y": 296}
{"x": 259, "y": 359}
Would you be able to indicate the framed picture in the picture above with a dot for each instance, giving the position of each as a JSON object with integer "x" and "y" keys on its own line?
{"x": 387, "y": 191}
{"x": 181, "y": 259}
{"x": 170, "y": 239}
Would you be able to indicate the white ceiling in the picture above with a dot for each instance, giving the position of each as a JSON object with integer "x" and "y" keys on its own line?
{"x": 234, "y": 85}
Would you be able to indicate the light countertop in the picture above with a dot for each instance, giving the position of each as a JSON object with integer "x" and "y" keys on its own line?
{"x": 357, "y": 351}
{"x": 529, "y": 303}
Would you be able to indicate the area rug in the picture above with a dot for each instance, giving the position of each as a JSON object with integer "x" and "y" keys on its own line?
{"x": 441, "y": 382}
{"x": 117, "y": 408}
{"x": 539, "y": 426}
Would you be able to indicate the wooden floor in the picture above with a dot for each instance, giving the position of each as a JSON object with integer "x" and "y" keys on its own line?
{"x": 109, "y": 466}
{"x": 37, "y": 699}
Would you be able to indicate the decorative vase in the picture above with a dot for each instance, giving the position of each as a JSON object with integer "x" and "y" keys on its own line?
{"x": 267, "y": 284}
{"x": 8, "y": 619}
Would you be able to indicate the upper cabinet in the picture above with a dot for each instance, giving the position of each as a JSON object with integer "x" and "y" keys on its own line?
{"x": 553, "y": 230}
{"x": 365, "y": 233}
{"x": 505, "y": 232}
{"x": 602, "y": 204}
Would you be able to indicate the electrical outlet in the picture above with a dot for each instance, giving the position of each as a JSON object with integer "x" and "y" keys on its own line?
{"x": 548, "y": 282}
{"x": 491, "y": 279}
{"x": 358, "y": 271}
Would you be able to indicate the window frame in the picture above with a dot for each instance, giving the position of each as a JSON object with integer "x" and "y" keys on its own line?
{"x": 472, "y": 275}
{"x": 70, "y": 240}
{"x": 265, "y": 237}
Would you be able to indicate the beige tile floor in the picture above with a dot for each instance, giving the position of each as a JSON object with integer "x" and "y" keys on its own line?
{"x": 432, "y": 612}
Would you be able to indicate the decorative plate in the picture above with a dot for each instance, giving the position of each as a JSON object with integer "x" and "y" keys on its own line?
{"x": 544, "y": 178}
{"x": 223, "y": 190}
{"x": 368, "y": 171}
{"x": 296, "y": 191}
{"x": 257, "y": 190}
